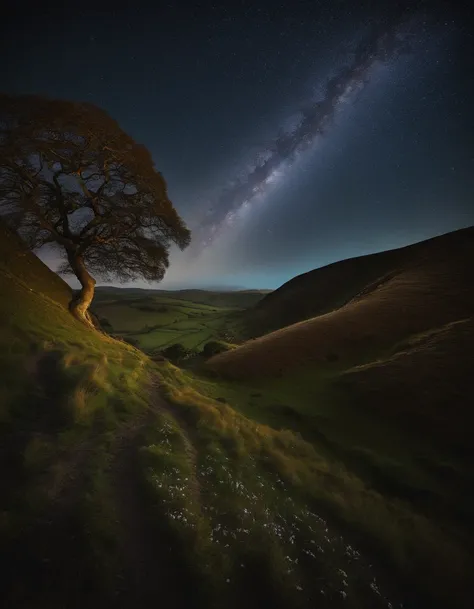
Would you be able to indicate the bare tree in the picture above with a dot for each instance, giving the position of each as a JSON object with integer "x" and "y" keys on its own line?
{"x": 72, "y": 178}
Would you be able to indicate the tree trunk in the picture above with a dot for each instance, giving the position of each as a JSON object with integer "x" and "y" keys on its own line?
{"x": 80, "y": 303}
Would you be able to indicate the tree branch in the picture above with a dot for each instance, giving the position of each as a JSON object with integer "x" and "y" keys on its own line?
{"x": 61, "y": 206}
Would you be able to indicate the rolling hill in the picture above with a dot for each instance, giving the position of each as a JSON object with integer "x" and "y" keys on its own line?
{"x": 219, "y": 298}
{"x": 128, "y": 483}
{"x": 381, "y": 376}
{"x": 373, "y": 302}
{"x": 328, "y": 288}
{"x": 114, "y": 497}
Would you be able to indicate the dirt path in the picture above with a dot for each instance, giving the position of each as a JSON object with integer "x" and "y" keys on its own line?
{"x": 54, "y": 552}
{"x": 152, "y": 573}
{"x": 139, "y": 557}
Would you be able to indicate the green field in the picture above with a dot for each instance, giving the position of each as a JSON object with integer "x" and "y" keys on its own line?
{"x": 155, "y": 321}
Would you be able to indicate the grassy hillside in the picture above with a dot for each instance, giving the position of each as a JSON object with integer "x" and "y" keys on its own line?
{"x": 17, "y": 265}
{"x": 328, "y": 288}
{"x": 381, "y": 384}
{"x": 114, "y": 497}
{"x": 430, "y": 286}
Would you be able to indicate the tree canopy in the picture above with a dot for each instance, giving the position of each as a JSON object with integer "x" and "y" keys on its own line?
{"x": 70, "y": 177}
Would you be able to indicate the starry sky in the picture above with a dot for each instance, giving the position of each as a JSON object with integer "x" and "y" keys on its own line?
{"x": 291, "y": 135}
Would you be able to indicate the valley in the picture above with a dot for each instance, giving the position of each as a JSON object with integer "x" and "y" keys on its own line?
{"x": 325, "y": 463}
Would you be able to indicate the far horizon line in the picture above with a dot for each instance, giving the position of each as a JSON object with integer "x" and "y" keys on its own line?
{"x": 220, "y": 288}
{"x": 186, "y": 289}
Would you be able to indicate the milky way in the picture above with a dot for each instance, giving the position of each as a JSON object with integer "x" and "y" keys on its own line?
{"x": 383, "y": 42}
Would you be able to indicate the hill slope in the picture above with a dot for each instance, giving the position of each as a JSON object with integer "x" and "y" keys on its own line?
{"x": 328, "y": 288}
{"x": 390, "y": 297}
{"x": 425, "y": 384}
{"x": 112, "y": 496}
{"x": 219, "y": 298}
{"x": 18, "y": 265}
{"x": 380, "y": 380}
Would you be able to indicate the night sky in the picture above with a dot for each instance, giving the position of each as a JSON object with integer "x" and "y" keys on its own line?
{"x": 290, "y": 136}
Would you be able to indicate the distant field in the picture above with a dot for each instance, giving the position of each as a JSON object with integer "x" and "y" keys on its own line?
{"x": 156, "y": 320}
{"x": 241, "y": 299}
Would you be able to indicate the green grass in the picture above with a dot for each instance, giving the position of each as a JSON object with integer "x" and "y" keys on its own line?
{"x": 229, "y": 495}
{"x": 172, "y": 320}
{"x": 246, "y": 509}
{"x": 405, "y": 497}
{"x": 66, "y": 392}
{"x": 271, "y": 493}
{"x": 72, "y": 399}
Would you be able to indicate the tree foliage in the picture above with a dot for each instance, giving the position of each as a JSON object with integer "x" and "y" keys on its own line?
{"x": 70, "y": 177}
{"x": 176, "y": 352}
{"x": 214, "y": 347}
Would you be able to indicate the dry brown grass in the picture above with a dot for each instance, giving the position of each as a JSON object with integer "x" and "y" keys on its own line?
{"x": 328, "y": 288}
{"x": 427, "y": 385}
{"x": 431, "y": 289}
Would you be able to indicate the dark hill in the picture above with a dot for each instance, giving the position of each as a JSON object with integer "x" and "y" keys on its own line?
{"x": 328, "y": 288}
{"x": 373, "y": 303}
{"x": 19, "y": 265}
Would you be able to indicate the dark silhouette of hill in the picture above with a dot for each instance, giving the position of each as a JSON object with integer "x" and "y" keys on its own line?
{"x": 328, "y": 288}
{"x": 18, "y": 264}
